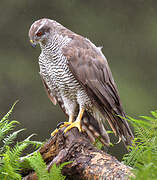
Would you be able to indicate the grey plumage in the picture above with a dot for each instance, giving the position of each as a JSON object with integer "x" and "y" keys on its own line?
{"x": 77, "y": 76}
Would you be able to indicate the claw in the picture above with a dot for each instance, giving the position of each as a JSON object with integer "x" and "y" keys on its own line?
{"x": 65, "y": 124}
{"x": 76, "y": 124}
{"x": 54, "y": 132}
{"x": 70, "y": 124}
{"x": 60, "y": 125}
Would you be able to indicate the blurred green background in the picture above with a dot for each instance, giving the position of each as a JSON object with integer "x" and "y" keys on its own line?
{"x": 127, "y": 30}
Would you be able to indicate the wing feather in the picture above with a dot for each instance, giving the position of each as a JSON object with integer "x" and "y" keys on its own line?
{"x": 90, "y": 68}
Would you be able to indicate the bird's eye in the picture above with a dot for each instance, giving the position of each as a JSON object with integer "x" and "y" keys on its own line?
{"x": 39, "y": 34}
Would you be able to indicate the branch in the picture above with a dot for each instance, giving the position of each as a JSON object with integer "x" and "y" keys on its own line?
{"x": 87, "y": 161}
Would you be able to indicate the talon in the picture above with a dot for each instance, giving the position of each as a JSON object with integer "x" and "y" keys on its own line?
{"x": 64, "y": 124}
{"x": 76, "y": 124}
{"x": 59, "y": 124}
{"x": 70, "y": 124}
{"x": 54, "y": 132}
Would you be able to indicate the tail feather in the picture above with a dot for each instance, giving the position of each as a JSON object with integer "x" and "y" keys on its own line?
{"x": 121, "y": 128}
{"x": 95, "y": 129}
{"x": 93, "y": 125}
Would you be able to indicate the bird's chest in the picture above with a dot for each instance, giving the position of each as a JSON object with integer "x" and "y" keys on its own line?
{"x": 58, "y": 76}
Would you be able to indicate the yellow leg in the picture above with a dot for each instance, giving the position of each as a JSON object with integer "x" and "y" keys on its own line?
{"x": 71, "y": 118}
{"x": 76, "y": 123}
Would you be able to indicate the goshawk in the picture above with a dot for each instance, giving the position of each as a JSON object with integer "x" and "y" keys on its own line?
{"x": 76, "y": 75}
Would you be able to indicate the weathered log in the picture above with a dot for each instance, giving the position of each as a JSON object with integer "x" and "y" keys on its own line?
{"x": 88, "y": 163}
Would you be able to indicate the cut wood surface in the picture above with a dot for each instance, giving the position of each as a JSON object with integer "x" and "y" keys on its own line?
{"x": 88, "y": 163}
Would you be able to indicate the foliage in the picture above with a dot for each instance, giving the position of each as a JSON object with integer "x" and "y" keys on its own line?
{"x": 11, "y": 161}
{"x": 143, "y": 154}
{"x": 10, "y": 154}
{"x": 40, "y": 168}
{"x": 98, "y": 144}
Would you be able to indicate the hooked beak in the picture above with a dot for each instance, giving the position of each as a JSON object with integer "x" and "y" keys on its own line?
{"x": 33, "y": 44}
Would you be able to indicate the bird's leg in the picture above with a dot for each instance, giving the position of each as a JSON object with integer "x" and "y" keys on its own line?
{"x": 76, "y": 123}
{"x": 63, "y": 124}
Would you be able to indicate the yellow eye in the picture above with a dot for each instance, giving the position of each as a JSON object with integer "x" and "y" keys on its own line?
{"x": 39, "y": 34}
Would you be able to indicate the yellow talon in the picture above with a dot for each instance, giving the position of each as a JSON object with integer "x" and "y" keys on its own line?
{"x": 71, "y": 124}
{"x": 61, "y": 126}
{"x": 77, "y": 124}
{"x": 65, "y": 124}
{"x": 54, "y": 132}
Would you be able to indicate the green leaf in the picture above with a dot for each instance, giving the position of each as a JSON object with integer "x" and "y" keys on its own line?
{"x": 154, "y": 113}
{"x": 9, "y": 113}
{"x": 147, "y": 118}
{"x": 9, "y": 139}
{"x": 143, "y": 154}
{"x": 98, "y": 143}
{"x": 6, "y": 127}
{"x": 10, "y": 161}
{"x": 55, "y": 171}
{"x": 38, "y": 164}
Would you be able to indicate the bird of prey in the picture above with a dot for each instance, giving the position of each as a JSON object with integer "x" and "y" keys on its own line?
{"x": 76, "y": 75}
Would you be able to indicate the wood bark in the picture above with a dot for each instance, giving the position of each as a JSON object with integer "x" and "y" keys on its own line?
{"x": 88, "y": 163}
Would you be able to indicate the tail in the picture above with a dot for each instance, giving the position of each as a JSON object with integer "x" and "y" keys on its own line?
{"x": 120, "y": 128}
{"x": 93, "y": 125}
{"x": 94, "y": 129}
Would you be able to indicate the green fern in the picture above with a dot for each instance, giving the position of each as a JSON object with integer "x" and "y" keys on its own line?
{"x": 10, "y": 163}
{"x": 36, "y": 144}
{"x": 56, "y": 171}
{"x": 5, "y": 127}
{"x": 143, "y": 154}
{"x": 38, "y": 164}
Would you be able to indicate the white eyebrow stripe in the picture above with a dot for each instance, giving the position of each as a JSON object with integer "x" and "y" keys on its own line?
{"x": 43, "y": 23}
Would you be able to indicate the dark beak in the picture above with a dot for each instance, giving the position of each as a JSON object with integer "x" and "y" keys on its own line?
{"x": 33, "y": 44}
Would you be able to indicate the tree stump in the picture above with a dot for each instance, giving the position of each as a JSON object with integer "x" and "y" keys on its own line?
{"x": 88, "y": 163}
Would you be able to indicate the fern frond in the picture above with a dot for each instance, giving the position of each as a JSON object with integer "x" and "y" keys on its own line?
{"x": 36, "y": 144}
{"x": 15, "y": 155}
{"x": 38, "y": 164}
{"x": 10, "y": 138}
{"x": 143, "y": 154}
{"x": 9, "y": 113}
{"x": 55, "y": 171}
{"x": 10, "y": 162}
{"x": 154, "y": 113}
{"x": 5, "y": 127}
{"x": 7, "y": 170}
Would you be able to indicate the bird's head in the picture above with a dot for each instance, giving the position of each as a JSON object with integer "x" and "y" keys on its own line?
{"x": 40, "y": 31}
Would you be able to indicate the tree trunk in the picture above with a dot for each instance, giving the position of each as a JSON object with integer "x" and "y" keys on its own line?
{"x": 88, "y": 163}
